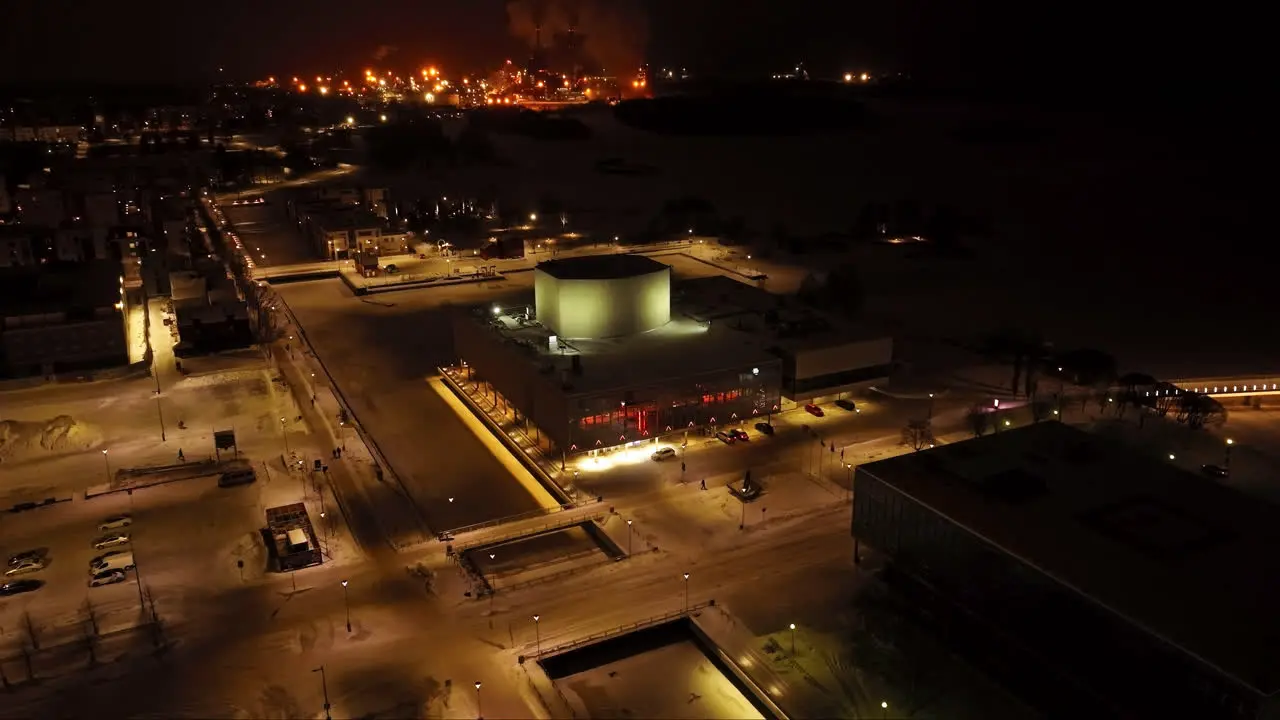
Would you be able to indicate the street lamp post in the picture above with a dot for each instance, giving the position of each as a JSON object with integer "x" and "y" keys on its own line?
{"x": 137, "y": 572}
{"x": 1226, "y": 460}
{"x": 742, "y": 522}
{"x": 346, "y": 601}
{"x": 106, "y": 462}
{"x": 479, "y": 711}
{"x": 930, "y": 406}
{"x": 324, "y": 687}
{"x": 686, "y": 592}
{"x": 155, "y": 369}
{"x": 537, "y": 635}
{"x": 793, "y": 639}
{"x": 284, "y": 433}
{"x": 630, "y": 534}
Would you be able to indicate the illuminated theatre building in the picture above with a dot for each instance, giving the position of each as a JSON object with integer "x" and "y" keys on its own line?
{"x": 607, "y": 355}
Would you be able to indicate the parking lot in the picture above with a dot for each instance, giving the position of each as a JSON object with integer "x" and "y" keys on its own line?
{"x": 186, "y": 538}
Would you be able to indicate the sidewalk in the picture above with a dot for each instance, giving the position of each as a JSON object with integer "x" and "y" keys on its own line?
{"x": 792, "y": 690}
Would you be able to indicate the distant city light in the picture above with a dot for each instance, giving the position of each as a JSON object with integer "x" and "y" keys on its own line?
{"x": 848, "y": 77}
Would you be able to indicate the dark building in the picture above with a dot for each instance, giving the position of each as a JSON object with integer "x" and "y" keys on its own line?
{"x": 1129, "y": 585}
{"x": 62, "y": 318}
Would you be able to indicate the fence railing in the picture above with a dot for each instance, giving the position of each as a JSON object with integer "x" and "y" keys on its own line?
{"x": 560, "y": 522}
{"x": 619, "y": 630}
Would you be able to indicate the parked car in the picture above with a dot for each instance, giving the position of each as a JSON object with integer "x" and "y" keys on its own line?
{"x": 764, "y": 428}
{"x": 737, "y": 434}
{"x": 108, "y": 577}
{"x": 29, "y": 565}
{"x": 1216, "y": 471}
{"x": 104, "y": 557}
{"x": 19, "y": 558}
{"x": 110, "y": 540}
{"x": 813, "y": 410}
{"x": 119, "y": 561}
{"x": 392, "y": 269}
{"x": 20, "y": 586}
{"x": 725, "y": 437}
{"x": 115, "y": 522}
{"x": 665, "y": 453}
{"x": 846, "y": 405}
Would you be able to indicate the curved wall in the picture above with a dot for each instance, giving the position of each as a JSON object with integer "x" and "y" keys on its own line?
{"x": 603, "y": 308}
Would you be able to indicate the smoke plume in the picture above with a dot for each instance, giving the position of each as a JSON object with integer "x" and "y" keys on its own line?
{"x": 614, "y": 33}
{"x": 383, "y": 52}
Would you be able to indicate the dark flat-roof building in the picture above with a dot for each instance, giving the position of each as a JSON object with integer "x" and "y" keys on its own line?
{"x": 61, "y": 318}
{"x": 1146, "y": 588}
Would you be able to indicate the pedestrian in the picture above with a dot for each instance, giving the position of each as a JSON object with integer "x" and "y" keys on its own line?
{"x": 704, "y": 483}
{"x": 681, "y": 467}
{"x": 181, "y": 457}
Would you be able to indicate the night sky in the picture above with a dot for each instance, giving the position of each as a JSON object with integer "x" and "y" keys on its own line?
{"x": 1089, "y": 44}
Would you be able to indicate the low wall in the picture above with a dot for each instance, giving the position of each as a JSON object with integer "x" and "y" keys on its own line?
{"x": 543, "y": 478}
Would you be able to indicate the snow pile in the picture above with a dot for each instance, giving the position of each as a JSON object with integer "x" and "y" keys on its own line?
{"x": 21, "y": 441}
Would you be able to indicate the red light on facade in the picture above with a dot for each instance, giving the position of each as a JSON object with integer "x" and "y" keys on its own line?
{"x": 713, "y": 421}
{"x": 573, "y": 447}
{"x": 645, "y": 433}
{"x": 622, "y": 438}
{"x": 599, "y": 443}
{"x": 668, "y": 428}
{"x": 733, "y": 416}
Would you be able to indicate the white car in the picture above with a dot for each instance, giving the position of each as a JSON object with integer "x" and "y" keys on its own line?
{"x": 110, "y": 540}
{"x": 109, "y": 577}
{"x": 115, "y": 522}
{"x": 665, "y": 453}
{"x": 29, "y": 565}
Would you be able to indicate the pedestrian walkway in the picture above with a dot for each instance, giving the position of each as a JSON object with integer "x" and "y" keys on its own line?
{"x": 795, "y": 696}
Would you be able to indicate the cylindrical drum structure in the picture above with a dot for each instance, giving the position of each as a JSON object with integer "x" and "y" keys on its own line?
{"x": 602, "y": 296}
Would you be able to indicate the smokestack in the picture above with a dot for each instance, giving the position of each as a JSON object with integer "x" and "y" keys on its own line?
{"x": 537, "y": 37}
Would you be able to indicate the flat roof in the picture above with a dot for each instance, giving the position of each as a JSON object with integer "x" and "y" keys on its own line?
{"x": 59, "y": 287}
{"x": 683, "y": 347}
{"x": 1191, "y": 561}
{"x": 790, "y": 324}
{"x": 600, "y": 267}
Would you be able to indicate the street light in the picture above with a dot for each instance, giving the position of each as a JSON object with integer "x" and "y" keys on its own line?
{"x": 1226, "y": 460}
{"x": 537, "y": 635}
{"x": 479, "y": 712}
{"x": 285, "y": 434}
{"x": 630, "y": 534}
{"x": 930, "y": 406}
{"x": 324, "y": 687}
{"x": 793, "y": 639}
{"x": 686, "y": 592}
{"x": 106, "y": 462}
{"x": 884, "y": 707}
{"x": 346, "y": 601}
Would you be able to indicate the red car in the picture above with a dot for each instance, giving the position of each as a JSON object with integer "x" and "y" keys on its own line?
{"x": 740, "y": 435}
{"x": 813, "y": 410}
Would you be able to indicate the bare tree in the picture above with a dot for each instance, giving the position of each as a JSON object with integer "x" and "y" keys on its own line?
{"x": 978, "y": 421}
{"x": 91, "y": 615}
{"x": 918, "y": 435}
{"x": 88, "y": 637}
{"x": 29, "y": 625}
{"x": 1198, "y": 410}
